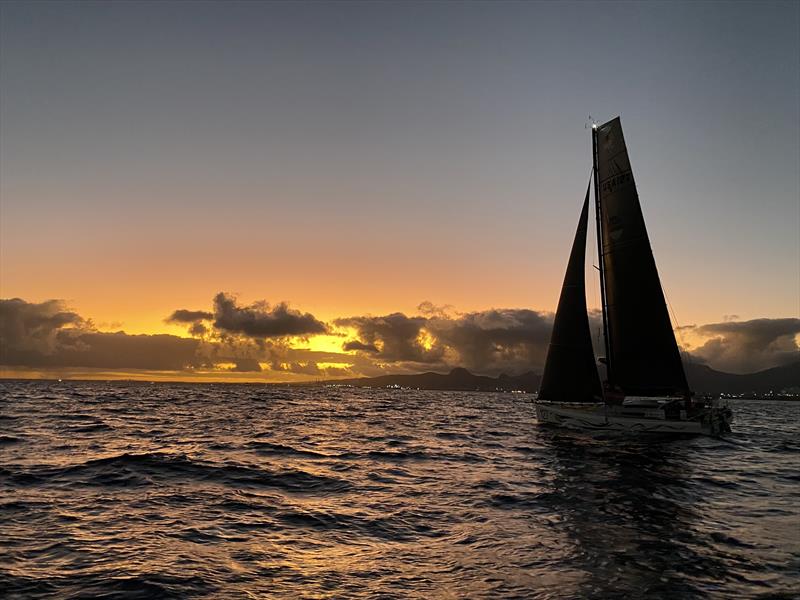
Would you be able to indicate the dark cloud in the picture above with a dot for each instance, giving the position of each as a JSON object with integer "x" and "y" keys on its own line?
{"x": 748, "y": 346}
{"x": 258, "y": 321}
{"x": 396, "y": 337}
{"x": 48, "y": 335}
{"x": 492, "y": 341}
{"x": 340, "y": 372}
{"x": 334, "y": 363}
{"x": 198, "y": 329}
{"x": 313, "y": 368}
{"x": 356, "y": 345}
{"x": 429, "y": 309}
{"x": 123, "y": 351}
{"x": 29, "y": 326}
{"x": 308, "y": 368}
{"x": 189, "y": 316}
{"x": 246, "y": 365}
{"x": 512, "y": 340}
{"x": 261, "y": 320}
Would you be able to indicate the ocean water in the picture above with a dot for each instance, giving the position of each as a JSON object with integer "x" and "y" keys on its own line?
{"x": 124, "y": 490}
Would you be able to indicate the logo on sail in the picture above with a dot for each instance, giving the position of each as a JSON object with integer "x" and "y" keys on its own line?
{"x": 612, "y": 183}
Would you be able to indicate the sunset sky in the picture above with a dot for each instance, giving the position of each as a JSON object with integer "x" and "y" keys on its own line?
{"x": 358, "y": 159}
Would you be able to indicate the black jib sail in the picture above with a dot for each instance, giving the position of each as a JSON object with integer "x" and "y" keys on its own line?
{"x": 570, "y": 371}
{"x": 644, "y": 358}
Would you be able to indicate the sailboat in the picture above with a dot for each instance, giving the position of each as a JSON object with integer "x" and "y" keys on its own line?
{"x": 645, "y": 387}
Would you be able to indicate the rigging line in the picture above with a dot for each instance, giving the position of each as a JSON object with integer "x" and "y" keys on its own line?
{"x": 591, "y": 170}
{"x": 683, "y": 349}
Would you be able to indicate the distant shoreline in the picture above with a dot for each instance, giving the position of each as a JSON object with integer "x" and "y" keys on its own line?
{"x": 778, "y": 383}
{"x": 335, "y": 384}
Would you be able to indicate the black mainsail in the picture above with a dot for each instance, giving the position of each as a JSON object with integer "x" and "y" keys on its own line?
{"x": 644, "y": 358}
{"x": 570, "y": 371}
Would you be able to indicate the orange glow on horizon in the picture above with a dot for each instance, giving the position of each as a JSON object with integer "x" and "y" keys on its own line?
{"x": 192, "y": 376}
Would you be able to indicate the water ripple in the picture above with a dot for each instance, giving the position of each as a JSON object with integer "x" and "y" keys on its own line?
{"x": 125, "y": 490}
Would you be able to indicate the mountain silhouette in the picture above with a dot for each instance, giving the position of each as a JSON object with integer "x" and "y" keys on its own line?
{"x": 702, "y": 379}
{"x": 459, "y": 379}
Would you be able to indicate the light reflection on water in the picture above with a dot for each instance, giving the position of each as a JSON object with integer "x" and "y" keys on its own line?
{"x": 139, "y": 491}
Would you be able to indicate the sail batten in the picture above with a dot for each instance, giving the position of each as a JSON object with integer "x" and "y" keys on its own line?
{"x": 644, "y": 358}
{"x": 570, "y": 372}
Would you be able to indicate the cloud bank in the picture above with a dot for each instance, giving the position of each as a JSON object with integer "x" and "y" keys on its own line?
{"x": 47, "y": 334}
{"x": 275, "y": 341}
{"x": 511, "y": 340}
{"x": 258, "y": 320}
{"x": 747, "y": 346}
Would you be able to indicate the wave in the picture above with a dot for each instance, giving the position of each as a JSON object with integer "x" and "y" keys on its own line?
{"x": 268, "y": 448}
{"x": 94, "y": 427}
{"x": 274, "y": 449}
{"x": 153, "y": 586}
{"x": 144, "y": 469}
{"x": 228, "y": 491}
{"x": 400, "y": 455}
{"x": 449, "y": 435}
{"x": 399, "y": 527}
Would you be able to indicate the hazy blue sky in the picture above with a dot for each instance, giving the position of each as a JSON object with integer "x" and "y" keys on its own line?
{"x": 367, "y": 156}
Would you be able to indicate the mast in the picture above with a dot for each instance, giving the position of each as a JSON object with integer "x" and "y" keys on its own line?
{"x": 599, "y": 219}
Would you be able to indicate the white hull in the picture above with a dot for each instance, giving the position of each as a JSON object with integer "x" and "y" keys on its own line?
{"x": 602, "y": 417}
